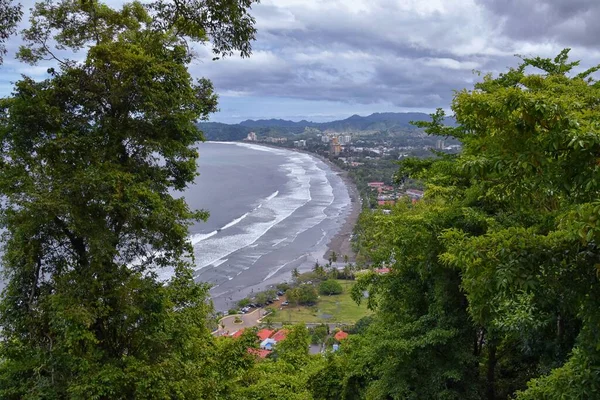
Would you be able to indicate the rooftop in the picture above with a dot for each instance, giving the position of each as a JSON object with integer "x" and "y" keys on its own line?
{"x": 280, "y": 335}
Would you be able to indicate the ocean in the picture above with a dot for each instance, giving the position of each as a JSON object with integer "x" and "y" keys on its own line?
{"x": 271, "y": 210}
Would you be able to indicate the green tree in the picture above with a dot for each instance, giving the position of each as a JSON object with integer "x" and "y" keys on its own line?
{"x": 243, "y": 302}
{"x": 90, "y": 158}
{"x": 261, "y": 298}
{"x": 10, "y": 14}
{"x": 330, "y": 287}
{"x": 304, "y": 294}
{"x": 494, "y": 268}
{"x": 294, "y": 348}
{"x": 319, "y": 333}
{"x": 333, "y": 257}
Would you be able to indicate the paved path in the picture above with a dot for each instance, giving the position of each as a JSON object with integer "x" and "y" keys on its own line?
{"x": 227, "y": 326}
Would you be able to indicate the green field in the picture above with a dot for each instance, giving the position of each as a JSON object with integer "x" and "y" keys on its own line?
{"x": 337, "y": 308}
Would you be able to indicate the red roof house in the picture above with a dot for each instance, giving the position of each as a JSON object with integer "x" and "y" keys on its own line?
{"x": 341, "y": 335}
{"x": 260, "y": 353}
{"x": 375, "y": 184}
{"x": 264, "y": 334}
{"x": 382, "y": 271}
{"x": 237, "y": 334}
{"x": 280, "y": 335}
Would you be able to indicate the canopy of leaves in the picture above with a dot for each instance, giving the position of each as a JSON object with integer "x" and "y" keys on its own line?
{"x": 330, "y": 286}
{"x": 91, "y": 158}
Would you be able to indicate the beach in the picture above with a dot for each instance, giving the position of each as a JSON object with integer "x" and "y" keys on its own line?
{"x": 273, "y": 210}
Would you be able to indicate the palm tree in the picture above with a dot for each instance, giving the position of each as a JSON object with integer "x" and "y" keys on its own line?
{"x": 333, "y": 257}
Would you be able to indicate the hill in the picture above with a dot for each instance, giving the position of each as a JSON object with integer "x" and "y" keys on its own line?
{"x": 373, "y": 122}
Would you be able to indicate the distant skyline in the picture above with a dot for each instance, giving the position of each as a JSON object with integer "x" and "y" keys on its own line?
{"x": 322, "y": 60}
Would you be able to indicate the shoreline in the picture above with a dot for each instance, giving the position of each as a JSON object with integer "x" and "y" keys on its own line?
{"x": 339, "y": 242}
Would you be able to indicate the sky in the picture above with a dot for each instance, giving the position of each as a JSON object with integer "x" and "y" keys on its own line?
{"x": 322, "y": 60}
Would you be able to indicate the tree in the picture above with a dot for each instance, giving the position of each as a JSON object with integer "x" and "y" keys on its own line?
{"x": 493, "y": 269}
{"x": 261, "y": 298}
{"x": 90, "y": 157}
{"x": 304, "y": 294}
{"x": 243, "y": 302}
{"x": 9, "y": 17}
{"x": 333, "y": 257}
{"x": 319, "y": 270}
{"x": 319, "y": 333}
{"x": 330, "y": 287}
{"x": 294, "y": 348}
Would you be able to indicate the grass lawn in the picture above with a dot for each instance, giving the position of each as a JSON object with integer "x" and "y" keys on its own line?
{"x": 336, "y": 308}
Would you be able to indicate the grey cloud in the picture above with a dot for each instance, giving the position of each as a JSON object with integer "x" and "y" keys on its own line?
{"x": 568, "y": 22}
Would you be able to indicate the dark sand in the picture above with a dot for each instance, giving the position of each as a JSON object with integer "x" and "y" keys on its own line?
{"x": 340, "y": 243}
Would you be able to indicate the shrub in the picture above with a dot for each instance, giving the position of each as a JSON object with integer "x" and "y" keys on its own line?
{"x": 330, "y": 287}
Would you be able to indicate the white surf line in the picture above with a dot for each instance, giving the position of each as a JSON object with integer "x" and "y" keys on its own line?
{"x": 219, "y": 262}
{"x": 198, "y": 237}
{"x": 273, "y": 272}
{"x": 234, "y": 222}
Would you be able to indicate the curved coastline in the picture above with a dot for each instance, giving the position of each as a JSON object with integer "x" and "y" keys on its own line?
{"x": 266, "y": 270}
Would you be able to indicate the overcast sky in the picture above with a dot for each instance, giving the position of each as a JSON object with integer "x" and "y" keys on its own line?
{"x": 328, "y": 59}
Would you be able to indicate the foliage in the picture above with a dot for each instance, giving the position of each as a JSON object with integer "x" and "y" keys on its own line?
{"x": 304, "y": 294}
{"x": 10, "y": 14}
{"x": 90, "y": 159}
{"x": 243, "y": 302}
{"x": 329, "y": 287}
{"x": 495, "y": 269}
{"x": 319, "y": 333}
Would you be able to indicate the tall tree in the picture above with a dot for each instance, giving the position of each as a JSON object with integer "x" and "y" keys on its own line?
{"x": 10, "y": 14}
{"x": 90, "y": 158}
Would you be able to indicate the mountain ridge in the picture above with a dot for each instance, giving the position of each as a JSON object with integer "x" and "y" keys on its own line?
{"x": 372, "y": 122}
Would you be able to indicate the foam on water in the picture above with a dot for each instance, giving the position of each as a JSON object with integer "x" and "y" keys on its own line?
{"x": 309, "y": 186}
{"x": 235, "y": 221}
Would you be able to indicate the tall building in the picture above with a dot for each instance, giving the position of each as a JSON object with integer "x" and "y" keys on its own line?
{"x": 345, "y": 139}
{"x": 251, "y": 137}
{"x": 335, "y": 147}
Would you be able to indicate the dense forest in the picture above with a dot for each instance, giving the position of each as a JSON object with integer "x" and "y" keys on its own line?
{"x": 492, "y": 291}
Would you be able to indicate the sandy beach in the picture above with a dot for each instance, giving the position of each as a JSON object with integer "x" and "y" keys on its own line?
{"x": 226, "y": 294}
{"x": 340, "y": 243}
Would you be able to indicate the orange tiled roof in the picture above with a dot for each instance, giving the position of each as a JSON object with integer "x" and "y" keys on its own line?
{"x": 264, "y": 334}
{"x": 259, "y": 352}
{"x": 280, "y": 335}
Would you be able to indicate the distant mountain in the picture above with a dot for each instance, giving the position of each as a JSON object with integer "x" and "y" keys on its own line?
{"x": 373, "y": 122}
{"x": 281, "y": 123}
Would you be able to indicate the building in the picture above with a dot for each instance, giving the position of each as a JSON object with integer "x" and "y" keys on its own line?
{"x": 251, "y": 137}
{"x": 325, "y": 139}
{"x": 300, "y": 143}
{"x": 237, "y": 334}
{"x": 345, "y": 139}
{"x": 260, "y": 353}
{"x": 415, "y": 194}
{"x": 264, "y": 334}
{"x": 280, "y": 335}
{"x": 376, "y": 184}
{"x": 275, "y": 140}
{"x": 382, "y": 271}
{"x": 439, "y": 145}
{"x": 341, "y": 335}
{"x": 335, "y": 148}
{"x": 268, "y": 344}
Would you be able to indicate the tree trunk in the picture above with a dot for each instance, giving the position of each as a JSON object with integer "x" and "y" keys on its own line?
{"x": 491, "y": 372}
